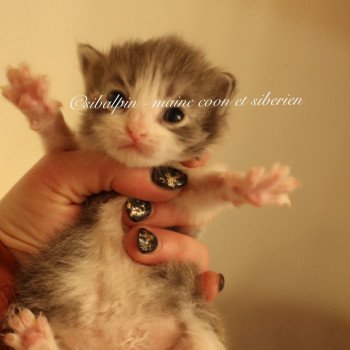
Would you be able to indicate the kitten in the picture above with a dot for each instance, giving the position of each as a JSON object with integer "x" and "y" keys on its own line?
{"x": 79, "y": 281}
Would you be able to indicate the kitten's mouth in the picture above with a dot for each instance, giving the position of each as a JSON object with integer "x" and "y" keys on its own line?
{"x": 138, "y": 148}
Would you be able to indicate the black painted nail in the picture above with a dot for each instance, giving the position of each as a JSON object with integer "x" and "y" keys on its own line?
{"x": 221, "y": 284}
{"x": 169, "y": 177}
{"x": 147, "y": 241}
{"x": 137, "y": 209}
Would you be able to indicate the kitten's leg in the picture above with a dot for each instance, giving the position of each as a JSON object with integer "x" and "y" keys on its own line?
{"x": 206, "y": 194}
{"x": 29, "y": 94}
{"x": 261, "y": 188}
{"x": 200, "y": 338}
{"x": 30, "y": 332}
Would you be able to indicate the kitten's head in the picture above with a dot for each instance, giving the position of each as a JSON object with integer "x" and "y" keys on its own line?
{"x": 153, "y": 73}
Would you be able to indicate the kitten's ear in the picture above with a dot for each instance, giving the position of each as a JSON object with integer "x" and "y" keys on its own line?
{"x": 229, "y": 83}
{"x": 89, "y": 58}
{"x": 227, "y": 88}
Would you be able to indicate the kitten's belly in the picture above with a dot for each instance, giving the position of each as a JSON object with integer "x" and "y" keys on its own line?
{"x": 121, "y": 307}
{"x": 160, "y": 334}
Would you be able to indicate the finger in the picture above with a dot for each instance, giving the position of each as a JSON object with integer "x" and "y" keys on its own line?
{"x": 163, "y": 214}
{"x": 78, "y": 174}
{"x": 150, "y": 246}
{"x": 197, "y": 162}
{"x": 212, "y": 284}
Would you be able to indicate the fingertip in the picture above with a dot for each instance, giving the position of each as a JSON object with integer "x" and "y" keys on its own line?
{"x": 136, "y": 210}
{"x": 152, "y": 245}
{"x": 212, "y": 284}
{"x": 164, "y": 214}
{"x": 142, "y": 245}
{"x": 140, "y": 183}
{"x": 197, "y": 161}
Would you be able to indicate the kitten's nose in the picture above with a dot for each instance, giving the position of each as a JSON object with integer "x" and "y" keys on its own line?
{"x": 135, "y": 133}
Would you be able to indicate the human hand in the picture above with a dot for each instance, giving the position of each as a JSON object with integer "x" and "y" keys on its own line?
{"x": 49, "y": 197}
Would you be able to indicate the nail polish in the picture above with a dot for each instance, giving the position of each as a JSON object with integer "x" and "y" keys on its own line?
{"x": 168, "y": 177}
{"x": 221, "y": 284}
{"x": 147, "y": 241}
{"x": 137, "y": 209}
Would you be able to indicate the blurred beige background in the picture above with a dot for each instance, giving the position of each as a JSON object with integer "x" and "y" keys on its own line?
{"x": 287, "y": 270}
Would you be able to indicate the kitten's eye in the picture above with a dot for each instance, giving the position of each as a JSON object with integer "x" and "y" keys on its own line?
{"x": 173, "y": 115}
{"x": 117, "y": 99}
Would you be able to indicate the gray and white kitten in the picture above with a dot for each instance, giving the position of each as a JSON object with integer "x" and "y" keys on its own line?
{"x": 92, "y": 294}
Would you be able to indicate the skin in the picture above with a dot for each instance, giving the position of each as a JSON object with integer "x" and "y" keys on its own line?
{"x": 49, "y": 197}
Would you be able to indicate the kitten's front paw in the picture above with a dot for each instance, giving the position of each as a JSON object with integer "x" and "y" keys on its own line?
{"x": 29, "y": 94}
{"x": 261, "y": 188}
{"x": 30, "y": 332}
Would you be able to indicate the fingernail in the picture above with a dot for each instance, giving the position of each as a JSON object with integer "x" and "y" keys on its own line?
{"x": 137, "y": 209}
{"x": 221, "y": 284}
{"x": 147, "y": 241}
{"x": 169, "y": 177}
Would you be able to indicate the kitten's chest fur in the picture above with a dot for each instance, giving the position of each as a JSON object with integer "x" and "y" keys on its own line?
{"x": 95, "y": 296}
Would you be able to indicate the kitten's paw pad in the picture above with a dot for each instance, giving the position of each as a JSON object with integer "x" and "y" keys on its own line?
{"x": 260, "y": 188}
{"x": 30, "y": 332}
{"x": 29, "y": 94}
